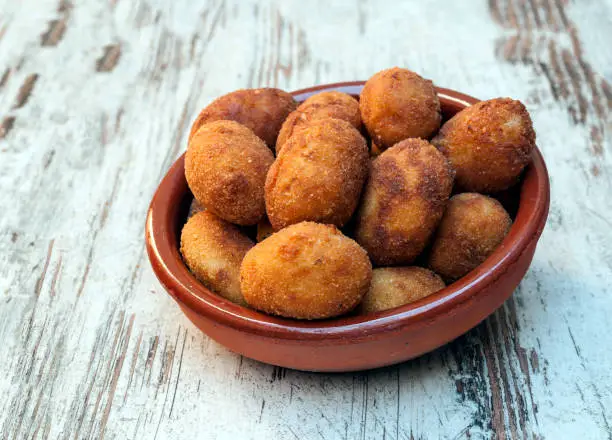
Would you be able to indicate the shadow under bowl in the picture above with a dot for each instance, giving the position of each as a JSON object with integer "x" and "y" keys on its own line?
{"x": 353, "y": 342}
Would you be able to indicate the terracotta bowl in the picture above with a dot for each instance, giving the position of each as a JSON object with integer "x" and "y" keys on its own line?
{"x": 352, "y": 342}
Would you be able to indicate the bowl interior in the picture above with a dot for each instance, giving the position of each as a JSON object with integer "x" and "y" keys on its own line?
{"x": 170, "y": 205}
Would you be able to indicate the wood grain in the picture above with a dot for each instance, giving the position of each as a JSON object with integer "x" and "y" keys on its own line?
{"x": 96, "y": 99}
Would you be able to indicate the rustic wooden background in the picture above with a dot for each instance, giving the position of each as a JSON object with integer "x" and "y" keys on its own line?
{"x": 96, "y": 98}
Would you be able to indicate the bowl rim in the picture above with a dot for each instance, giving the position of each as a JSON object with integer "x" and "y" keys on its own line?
{"x": 162, "y": 248}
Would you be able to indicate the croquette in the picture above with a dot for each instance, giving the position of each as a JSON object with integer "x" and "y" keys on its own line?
{"x": 226, "y": 167}
{"x": 318, "y": 175}
{"x": 395, "y": 286}
{"x": 397, "y": 104}
{"x": 305, "y": 271}
{"x": 213, "y": 250}
{"x": 403, "y": 201}
{"x": 471, "y": 228}
{"x": 336, "y": 105}
{"x": 262, "y": 110}
{"x": 488, "y": 144}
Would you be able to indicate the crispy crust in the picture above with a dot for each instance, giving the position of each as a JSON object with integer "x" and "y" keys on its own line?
{"x": 472, "y": 227}
{"x": 318, "y": 176}
{"x": 397, "y": 104}
{"x": 226, "y": 167}
{"x": 262, "y": 110}
{"x": 306, "y": 271}
{"x": 488, "y": 144}
{"x": 403, "y": 201}
{"x": 336, "y": 105}
{"x": 395, "y": 286}
{"x": 213, "y": 250}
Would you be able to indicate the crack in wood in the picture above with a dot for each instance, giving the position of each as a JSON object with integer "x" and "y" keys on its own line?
{"x": 41, "y": 278}
{"x": 115, "y": 377}
{"x": 149, "y": 361}
{"x": 25, "y": 90}
{"x": 54, "y": 34}
{"x": 164, "y": 376}
{"x": 111, "y": 199}
{"x": 239, "y": 369}
{"x": 85, "y": 271}
{"x": 56, "y": 275}
{"x": 109, "y": 60}
{"x": 492, "y": 368}
{"x": 48, "y": 158}
{"x": 7, "y": 125}
{"x": 107, "y": 374}
{"x": 192, "y": 46}
{"x": 261, "y": 410}
{"x": 82, "y": 411}
{"x": 30, "y": 367}
{"x": 5, "y": 77}
{"x": 490, "y": 358}
{"x": 135, "y": 354}
{"x": 278, "y": 373}
{"x": 178, "y": 375}
{"x": 118, "y": 117}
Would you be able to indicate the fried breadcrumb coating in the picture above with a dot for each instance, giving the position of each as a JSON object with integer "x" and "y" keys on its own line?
{"x": 306, "y": 271}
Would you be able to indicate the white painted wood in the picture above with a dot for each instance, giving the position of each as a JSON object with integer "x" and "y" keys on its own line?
{"x": 102, "y": 95}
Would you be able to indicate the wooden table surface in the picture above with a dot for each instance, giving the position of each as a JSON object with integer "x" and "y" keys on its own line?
{"x": 96, "y": 99}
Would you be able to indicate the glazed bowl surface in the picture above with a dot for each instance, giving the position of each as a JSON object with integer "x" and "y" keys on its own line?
{"x": 352, "y": 342}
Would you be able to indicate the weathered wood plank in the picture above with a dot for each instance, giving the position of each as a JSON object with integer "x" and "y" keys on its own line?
{"x": 96, "y": 99}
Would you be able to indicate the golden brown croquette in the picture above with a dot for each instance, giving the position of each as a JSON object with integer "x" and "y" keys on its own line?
{"x": 395, "y": 286}
{"x": 472, "y": 227}
{"x": 262, "y": 110}
{"x": 226, "y": 167}
{"x": 318, "y": 175}
{"x": 488, "y": 144}
{"x": 305, "y": 271}
{"x": 397, "y": 104}
{"x": 403, "y": 201}
{"x": 213, "y": 250}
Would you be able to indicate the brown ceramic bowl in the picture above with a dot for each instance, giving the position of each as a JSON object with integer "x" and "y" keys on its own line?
{"x": 352, "y": 342}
